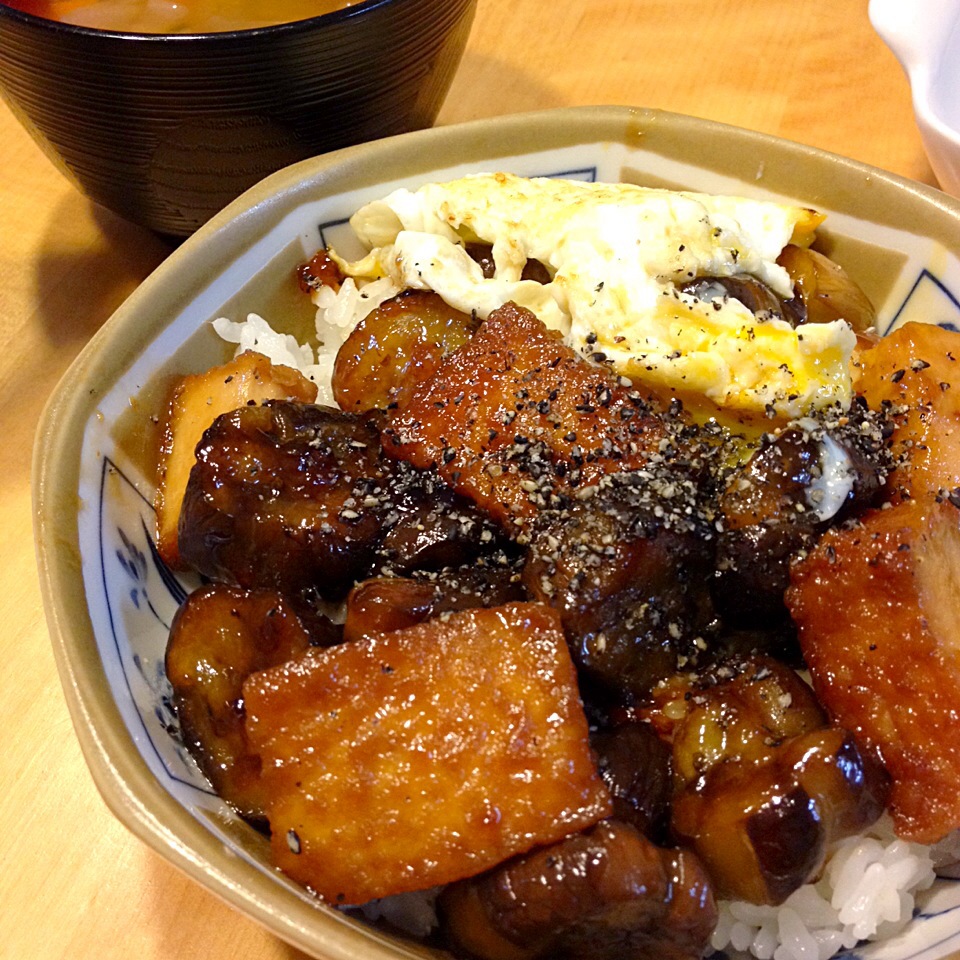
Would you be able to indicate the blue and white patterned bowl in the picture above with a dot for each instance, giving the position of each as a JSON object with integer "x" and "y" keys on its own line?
{"x": 109, "y": 599}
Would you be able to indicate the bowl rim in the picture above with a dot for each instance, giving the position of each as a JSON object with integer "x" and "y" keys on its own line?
{"x": 122, "y": 777}
{"x": 341, "y": 15}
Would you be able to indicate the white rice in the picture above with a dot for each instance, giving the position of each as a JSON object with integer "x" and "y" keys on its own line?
{"x": 866, "y": 892}
{"x": 867, "y": 889}
{"x": 338, "y": 312}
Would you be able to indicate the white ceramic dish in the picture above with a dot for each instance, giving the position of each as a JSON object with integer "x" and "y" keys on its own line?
{"x": 109, "y": 599}
{"x": 925, "y": 36}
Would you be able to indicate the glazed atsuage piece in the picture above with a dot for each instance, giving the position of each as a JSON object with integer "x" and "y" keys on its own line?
{"x": 516, "y": 421}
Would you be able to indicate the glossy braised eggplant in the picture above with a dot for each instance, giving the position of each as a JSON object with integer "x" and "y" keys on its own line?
{"x": 300, "y": 498}
{"x": 607, "y": 894}
{"x": 764, "y": 783}
{"x": 383, "y": 604}
{"x": 797, "y": 483}
{"x": 637, "y": 767}
{"x": 824, "y": 291}
{"x": 398, "y": 344}
{"x": 756, "y": 296}
{"x": 221, "y": 635}
{"x": 627, "y": 568}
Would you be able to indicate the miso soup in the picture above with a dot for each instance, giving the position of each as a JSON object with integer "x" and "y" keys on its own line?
{"x": 177, "y": 16}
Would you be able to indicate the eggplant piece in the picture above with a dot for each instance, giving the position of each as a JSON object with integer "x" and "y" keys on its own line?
{"x": 762, "y": 830}
{"x": 429, "y": 527}
{"x": 626, "y": 567}
{"x": 282, "y": 496}
{"x": 195, "y": 401}
{"x": 738, "y": 710}
{"x": 607, "y": 894}
{"x": 219, "y": 636}
{"x": 383, "y": 604}
{"x": 637, "y": 768}
{"x": 796, "y": 484}
{"x": 823, "y": 291}
{"x": 757, "y": 297}
{"x": 482, "y": 254}
{"x": 398, "y": 344}
{"x": 300, "y": 498}
{"x": 763, "y": 783}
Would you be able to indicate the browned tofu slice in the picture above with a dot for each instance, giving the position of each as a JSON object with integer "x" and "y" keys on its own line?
{"x": 515, "y": 416}
{"x": 878, "y": 612}
{"x": 918, "y": 367}
{"x": 197, "y": 400}
{"x": 418, "y": 757}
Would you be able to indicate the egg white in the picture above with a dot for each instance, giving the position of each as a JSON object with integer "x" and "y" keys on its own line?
{"x": 617, "y": 254}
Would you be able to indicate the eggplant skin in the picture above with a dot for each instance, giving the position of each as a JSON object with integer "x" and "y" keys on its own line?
{"x": 763, "y": 829}
{"x": 607, "y": 893}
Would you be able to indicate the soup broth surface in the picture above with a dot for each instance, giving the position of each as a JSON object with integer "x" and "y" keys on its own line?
{"x": 177, "y": 16}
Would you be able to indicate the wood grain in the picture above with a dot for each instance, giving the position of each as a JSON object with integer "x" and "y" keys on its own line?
{"x": 73, "y": 882}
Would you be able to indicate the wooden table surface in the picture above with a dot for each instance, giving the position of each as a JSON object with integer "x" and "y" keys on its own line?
{"x": 73, "y": 882}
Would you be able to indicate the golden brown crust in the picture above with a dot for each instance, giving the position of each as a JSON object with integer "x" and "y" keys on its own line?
{"x": 874, "y": 606}
{"x": 515, "y": 416}
{"x": 418, "y": 757}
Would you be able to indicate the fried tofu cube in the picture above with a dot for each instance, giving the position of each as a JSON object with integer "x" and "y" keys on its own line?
{"x": 515, "y": 416}
{"x": 877, "y": 609}
{"x": 918, "y": 367}
{"x": 196, "y": 401}
{"x": 414, "y": 758}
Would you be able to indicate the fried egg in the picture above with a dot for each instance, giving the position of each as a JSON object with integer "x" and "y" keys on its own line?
{"x": 617, "y": 256}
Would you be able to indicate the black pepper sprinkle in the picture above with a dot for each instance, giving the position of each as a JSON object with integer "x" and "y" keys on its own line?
{"x": 897, "y": 375}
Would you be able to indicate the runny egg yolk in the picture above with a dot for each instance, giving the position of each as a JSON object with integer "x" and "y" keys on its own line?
{"x": 617, "y": 255}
